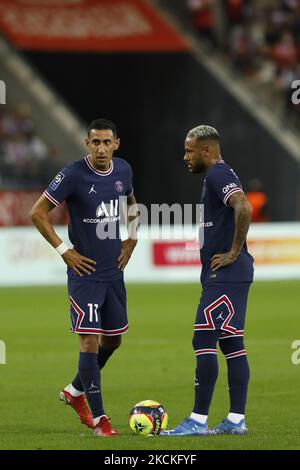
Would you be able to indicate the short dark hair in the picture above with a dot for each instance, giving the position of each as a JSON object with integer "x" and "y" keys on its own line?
{"x": 102, "y": 124}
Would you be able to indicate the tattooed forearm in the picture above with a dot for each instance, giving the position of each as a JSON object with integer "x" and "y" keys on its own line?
{"x": 242, "y": 216}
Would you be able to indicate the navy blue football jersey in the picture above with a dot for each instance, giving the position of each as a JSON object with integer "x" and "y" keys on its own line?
{"x": 92, "y": 198}
{"x": 219, "y": 226}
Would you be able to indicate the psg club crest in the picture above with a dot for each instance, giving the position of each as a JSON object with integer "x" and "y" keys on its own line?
{"x": 119, "y": 186}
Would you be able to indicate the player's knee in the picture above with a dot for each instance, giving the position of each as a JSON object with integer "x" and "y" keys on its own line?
{"x": 205, "y": 339}
{"x": 110, "y": 343}
{"x": 196, "y": 341}
{"x": 230, "y": 345}
{"x": 88, "y": 343}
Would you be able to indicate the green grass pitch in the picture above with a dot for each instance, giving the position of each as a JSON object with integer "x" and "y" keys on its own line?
{"x": 156, "y": 361}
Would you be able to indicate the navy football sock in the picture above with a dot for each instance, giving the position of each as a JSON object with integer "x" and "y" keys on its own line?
{"x": 238, "y": 378}
{"x": 238, "y": 373}
{"x": 89, "y": 373}
{"x": 77, "y": 383}
{"x": 103, "y": 356}
{"x": 205, "y": 379}
{"x": 206, "y": 373}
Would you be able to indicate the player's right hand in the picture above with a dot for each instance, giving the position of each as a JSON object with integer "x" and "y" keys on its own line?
{"x": 78, "y": 263}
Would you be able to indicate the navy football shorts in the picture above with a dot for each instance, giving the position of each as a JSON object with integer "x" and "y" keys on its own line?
{"x": 223, "y": 307}
{"x": 98, "y": 307}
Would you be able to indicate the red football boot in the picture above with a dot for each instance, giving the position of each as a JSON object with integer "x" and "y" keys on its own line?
{"x": 80, "y": 406}
{"x": 104, "y": 428}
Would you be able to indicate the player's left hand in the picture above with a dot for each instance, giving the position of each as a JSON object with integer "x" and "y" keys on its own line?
{"x": 221, "y": 260}
{"x": 127, "y": 247}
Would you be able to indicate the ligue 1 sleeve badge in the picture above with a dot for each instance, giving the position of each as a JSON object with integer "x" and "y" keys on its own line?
{"x": 57, "y": 180}
{"x": 119, "y": 186}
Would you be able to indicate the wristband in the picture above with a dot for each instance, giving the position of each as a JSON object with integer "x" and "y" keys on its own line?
{"x": 62, "y": 248}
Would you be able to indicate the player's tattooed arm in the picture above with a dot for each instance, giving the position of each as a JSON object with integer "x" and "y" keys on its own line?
{"x": 39, "y": 216}
{"x": 242, "y": 216}
{"x": 128, "y": 245}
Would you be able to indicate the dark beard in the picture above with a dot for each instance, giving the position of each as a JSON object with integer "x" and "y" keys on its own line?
{"x": 198, "y": 168}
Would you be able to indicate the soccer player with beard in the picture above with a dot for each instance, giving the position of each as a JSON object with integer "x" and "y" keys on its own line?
{"x": 227, "y": 272}
{"x": 91, "y": 188}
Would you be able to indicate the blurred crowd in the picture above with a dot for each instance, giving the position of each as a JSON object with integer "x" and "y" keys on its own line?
{"x": 25, "y": 159}
{"x": 260, "y": 39}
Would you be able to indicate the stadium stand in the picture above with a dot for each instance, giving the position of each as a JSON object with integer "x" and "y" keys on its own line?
{"x": 261, "y": 40}
{"x": 56, "y": 83}
{"x": 25, "y": 159}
